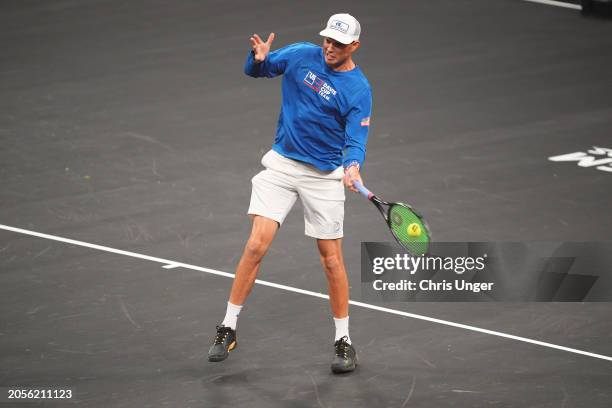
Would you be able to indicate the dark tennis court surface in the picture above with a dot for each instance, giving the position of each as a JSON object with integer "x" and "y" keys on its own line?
{"x": 130, "y": 125}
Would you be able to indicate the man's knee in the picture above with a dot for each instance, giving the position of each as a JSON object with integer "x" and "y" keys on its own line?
{"x": 261, "y": 237}
{"x": 256, "y": 248}
{"x": 331, "y": 262}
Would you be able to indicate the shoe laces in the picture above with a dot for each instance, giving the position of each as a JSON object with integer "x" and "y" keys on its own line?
{"x": 342, "y": 347}
{"x": 222, "y": 333}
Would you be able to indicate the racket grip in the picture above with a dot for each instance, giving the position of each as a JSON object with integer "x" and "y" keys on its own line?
{"x": 364, "y": 191}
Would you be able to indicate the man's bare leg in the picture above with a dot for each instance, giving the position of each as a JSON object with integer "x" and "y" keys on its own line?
{"x": 262, "y": 234}
{"x": 330, "y": 250}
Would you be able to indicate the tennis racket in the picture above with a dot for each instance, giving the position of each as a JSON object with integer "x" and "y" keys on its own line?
{"x": 407, "y": 226}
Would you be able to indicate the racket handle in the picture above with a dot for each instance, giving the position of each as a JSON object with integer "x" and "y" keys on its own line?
{"x": 364, "y": 191}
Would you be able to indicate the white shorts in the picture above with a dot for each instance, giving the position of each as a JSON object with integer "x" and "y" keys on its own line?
{"x": 276, "y": 189}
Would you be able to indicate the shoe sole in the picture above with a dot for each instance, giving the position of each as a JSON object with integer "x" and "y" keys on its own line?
{"x": 343, "y": 370}
{"x": 216, "y": 359}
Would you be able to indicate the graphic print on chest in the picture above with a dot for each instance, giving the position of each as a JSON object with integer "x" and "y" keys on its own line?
{"x": 319, "y": 86}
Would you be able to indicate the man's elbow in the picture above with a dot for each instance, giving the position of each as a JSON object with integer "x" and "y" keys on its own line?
{"x": 252, "y": 70}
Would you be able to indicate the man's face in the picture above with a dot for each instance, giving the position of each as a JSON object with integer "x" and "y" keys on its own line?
{"x": 337, "y": 53}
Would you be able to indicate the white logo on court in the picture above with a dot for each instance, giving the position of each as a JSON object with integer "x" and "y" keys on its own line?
{"x": 597, "y": 156}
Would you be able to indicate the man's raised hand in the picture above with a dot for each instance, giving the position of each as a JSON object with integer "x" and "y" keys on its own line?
{"x": 261, "y": 48}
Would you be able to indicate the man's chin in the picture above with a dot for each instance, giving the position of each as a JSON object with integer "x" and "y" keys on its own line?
{"x": 332, "y": 64}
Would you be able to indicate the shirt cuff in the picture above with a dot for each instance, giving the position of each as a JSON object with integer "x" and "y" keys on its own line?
{"x": 352, "y": 163}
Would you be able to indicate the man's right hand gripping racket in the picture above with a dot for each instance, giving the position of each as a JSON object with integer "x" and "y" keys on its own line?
{"x": 407, "y": 226}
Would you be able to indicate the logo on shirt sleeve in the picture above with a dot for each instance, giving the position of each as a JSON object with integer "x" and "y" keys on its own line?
{"x": 365, "y": 121}
{"x": 319, "y": 86}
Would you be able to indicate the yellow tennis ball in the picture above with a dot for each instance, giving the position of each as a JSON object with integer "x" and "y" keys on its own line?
{"x": 414, "y": 230}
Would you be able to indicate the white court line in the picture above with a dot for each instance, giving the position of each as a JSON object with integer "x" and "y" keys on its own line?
{"x": 168, "y": 264}
{"x": 171, "y": 266}
{"x": 557, "y": 3}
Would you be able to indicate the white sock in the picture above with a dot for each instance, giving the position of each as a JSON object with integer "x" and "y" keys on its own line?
{"x": 231, "y": 315}
{"x": 342, "y": 328}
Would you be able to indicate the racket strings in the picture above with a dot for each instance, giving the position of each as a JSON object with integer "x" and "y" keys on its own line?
{"x": 400, "y": 220}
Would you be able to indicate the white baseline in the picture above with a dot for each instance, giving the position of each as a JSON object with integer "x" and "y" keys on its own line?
{"x": 557, "y": 3}
{"x": 169, "y": 264}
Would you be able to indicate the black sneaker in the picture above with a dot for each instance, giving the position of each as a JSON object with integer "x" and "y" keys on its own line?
{"x": 225, "y": 341}
{"x": 345, "y": 359}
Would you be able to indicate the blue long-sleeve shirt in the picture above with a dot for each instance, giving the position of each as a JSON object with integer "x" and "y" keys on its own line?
{"x": 325, "y": 114}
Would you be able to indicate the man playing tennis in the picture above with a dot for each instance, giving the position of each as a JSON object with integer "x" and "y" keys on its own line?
{"x": 320, "y": 142}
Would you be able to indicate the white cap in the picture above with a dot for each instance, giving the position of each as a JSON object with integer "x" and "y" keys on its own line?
{"x": 343, "y": 28}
